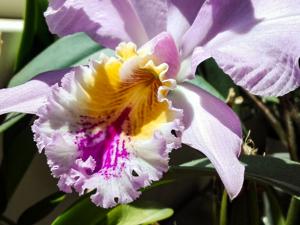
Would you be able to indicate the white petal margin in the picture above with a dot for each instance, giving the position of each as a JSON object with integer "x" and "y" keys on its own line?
{"x": 29, "y": 97}
{"x": 214, "y": 129}
{"x": 55, "y": 132}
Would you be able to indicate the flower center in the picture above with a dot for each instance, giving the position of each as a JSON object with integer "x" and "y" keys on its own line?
{"x": 123, "y": 101}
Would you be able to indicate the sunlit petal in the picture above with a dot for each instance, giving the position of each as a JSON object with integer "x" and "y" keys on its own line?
{"x": 214, "y": 129}
{"x": 29, "y": 97}
{"x": 255, "y": 42}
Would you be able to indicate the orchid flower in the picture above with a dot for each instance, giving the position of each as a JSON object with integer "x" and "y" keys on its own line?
{"x": 110, "y": 126}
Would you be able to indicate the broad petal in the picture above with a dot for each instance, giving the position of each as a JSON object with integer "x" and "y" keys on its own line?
{"x": 181, "y": 15}
{"x": 108, "y": 22}
{"x": 29, "y": 97}
{"x": 214, "y": 129}
{"x": 153, "y": 15}
{"x": 257, "y": 45}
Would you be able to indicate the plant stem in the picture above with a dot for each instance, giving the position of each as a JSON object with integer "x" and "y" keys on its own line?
{"x": 296, "y": 116}
{"x": 291, "y": 136}
{"x": 223, "y": 211}
{"x": 293, "y": 217}
{"x": 270, "y": 117}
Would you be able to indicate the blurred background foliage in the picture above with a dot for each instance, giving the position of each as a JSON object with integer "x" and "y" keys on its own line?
{"x": 190, "y": 193}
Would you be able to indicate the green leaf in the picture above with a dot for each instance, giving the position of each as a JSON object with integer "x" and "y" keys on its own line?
{"x": 137, "y": 213}
{"x": 282, "y": 173}
{"x": 64, "y": 53}
{"x": 223, "y": 209}
{"x": 35, "y": 36}
{"x": 41, "y": 209}
{"x": 95, "y": 56}
{"x": 216, "y": 77}
{"x": 81, "y": 212}
{"x": 10, "y": 120}
{"x": 159, "y": 183}
{"x": 85, "y": 212}
{"x": 202, "y": 83}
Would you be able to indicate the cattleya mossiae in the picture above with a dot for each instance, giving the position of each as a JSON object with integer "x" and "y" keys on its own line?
{"x": 110, "y": 125}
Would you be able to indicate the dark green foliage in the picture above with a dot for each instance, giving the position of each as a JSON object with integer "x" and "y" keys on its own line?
{"x": 36, "y": 35}
{"x": 40, "y": 209}
{"x": 85, "y": 212}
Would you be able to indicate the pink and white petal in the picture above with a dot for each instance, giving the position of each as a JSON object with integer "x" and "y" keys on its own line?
{"x": 181, "y": 15}
{"x": 257, "y": 45}
{"x": 29, "y": 97}
{"x": 58, "y": 106}
{"x": 215, "y": 17}
{"x": 164, "y": 49}
{"x": 60, "y": 151}
{"x": 153, "y": 15}
{"x": 108, "y": 22}
{"x": 214, "y": 129}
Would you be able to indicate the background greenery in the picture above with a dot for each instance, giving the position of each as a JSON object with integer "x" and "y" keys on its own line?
{"x": 190, "y": 193}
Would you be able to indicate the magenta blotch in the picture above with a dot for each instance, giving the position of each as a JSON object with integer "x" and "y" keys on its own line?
{"x": 106, "y": 146}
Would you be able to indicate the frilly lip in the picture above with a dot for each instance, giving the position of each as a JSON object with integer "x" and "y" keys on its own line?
{"x": 147, "y": 159}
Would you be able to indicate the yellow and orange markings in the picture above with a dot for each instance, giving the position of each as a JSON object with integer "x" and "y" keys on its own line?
{"x": 128, "y": 81}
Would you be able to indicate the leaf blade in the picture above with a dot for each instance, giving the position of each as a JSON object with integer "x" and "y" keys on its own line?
{"x": 62, "y": 54}
{"x": 278, "y": 172}
{"x": 41, "y": 209}
{"x": 35, "y": 36}
{"x": 85, "y": 212}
